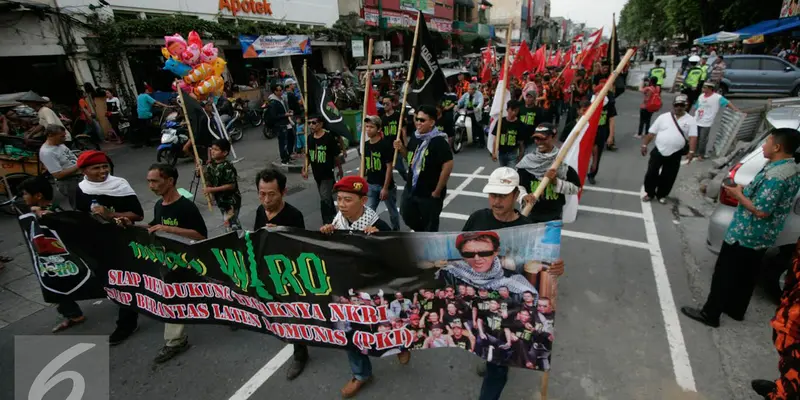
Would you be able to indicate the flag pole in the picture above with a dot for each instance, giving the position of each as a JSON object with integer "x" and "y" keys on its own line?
{"x": 367, "y": 91}
{"x": 573, "y": 135}
{"x": 407, "y": 85}
{"x": 305, "y": 114}
{"x": 198, "y": 164}
{"x": 503, "y": 92}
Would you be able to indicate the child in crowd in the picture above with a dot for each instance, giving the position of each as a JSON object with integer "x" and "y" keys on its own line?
{"x": 222, "y": 181}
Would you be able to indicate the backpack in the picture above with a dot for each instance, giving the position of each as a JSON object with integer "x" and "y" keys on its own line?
{"x": 654, "y": 102}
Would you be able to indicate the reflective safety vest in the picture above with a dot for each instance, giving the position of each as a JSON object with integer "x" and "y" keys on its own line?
{"x": 705, "y": 72}
{"x": 693, "y": 77}
{"x": 660, "y": 73}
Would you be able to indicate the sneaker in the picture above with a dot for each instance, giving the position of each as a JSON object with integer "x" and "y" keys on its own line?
{"x": 120, "y": 335}
{"x": 638, "y": 136}
{"x": 592, "y": 180}
{"x": 763, "y": 387}
{"x": 662, "y": 200}
{"x": 169, "y": 352}
{"x": 353, "y": 386}
{"x": 69, "y": 323}
{"x": 404, "y": 357}
{"x": 646, "y": 198}
{"x": 295, "y": 369}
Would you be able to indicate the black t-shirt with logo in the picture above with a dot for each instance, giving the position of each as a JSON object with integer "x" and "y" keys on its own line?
{"x": 436, "y": 155}
{"x": 427, "y": 306}
{"x": 482, "y": 304}
{"x": 439, "y": 304}
{"x": 182, "y": 213}
{"x": 448, "y": 99}
{"x": 506, "y": 305}
{"x": 529, "y": 116}
{"x": 288, "y": 216}
{"x": 454, "y": 320}
{"x": 550, "y": 205}
{"x": 520, "y": 330}
{"x": 462, "y": 342}
{"x": 322, "y": 153}
{"x": 493, "y": 324}
{"x": 419, "y": 333}
{"x": 390, "y": 125}
{"x": 512, "y": 133}
{"x": 603, "y": 128}
{"x": 118, "y": 204}
{"x": 446, "y": 125}
{"x": 377, "y": 155}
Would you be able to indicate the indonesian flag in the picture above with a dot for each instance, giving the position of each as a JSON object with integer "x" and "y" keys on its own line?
{"x": 497, "y": 109}
{"x": 589, "y": 51}
{"x": 578, "y": 158}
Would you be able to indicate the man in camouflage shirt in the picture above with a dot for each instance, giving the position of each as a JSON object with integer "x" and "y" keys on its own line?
{"x": 223, "y": 184}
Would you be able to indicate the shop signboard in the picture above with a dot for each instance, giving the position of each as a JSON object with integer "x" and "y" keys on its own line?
{"x": 426, "y": 6}
{"x": 254, "y": 46}
{"x": 357, "y": 45}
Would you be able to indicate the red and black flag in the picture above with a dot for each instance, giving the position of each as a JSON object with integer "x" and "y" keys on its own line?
{"x": 321, "y": 103}
{"x": 427, "y": 79}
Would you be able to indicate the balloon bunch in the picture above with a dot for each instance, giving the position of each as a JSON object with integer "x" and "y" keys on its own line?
{"x": 196, "y": 63}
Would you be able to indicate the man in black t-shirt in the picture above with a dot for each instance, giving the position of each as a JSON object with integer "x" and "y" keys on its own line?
{"x": 605, "y": 135}
{"x": 430, "y": 164}
{"x": 177, "y": 215}
{"x": 323, "y": 156}
{"x": 274, "y": 211}
{"x": 447, "y": 120}
{"x": 519, "y": 336}
{"x": 111, "y": 198}
{"x": 491, "y": 341}
{"x": 511, "y": 145}
{"x": 461, "y": 339}
{"x": 378, "y": 155}
{"x": 390, "y": 121}
{"x": 536, "y": 165}
{"x": 529, "y": 114}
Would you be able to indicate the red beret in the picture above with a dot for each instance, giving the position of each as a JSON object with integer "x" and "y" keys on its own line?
{"x": 466, "y": 236}
{"x": 352, "y": 184}
{"x": 92, "y": 157}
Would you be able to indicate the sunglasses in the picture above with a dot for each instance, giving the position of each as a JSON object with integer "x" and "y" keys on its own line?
{"x": 472, "y": 254}
{"x": 679, "y": 105}
{"x": 420, "y": 119}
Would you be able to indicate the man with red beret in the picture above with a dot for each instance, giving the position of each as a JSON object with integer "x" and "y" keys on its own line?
{"x": 354, "y": 215}
{"x": 111, "y": 198}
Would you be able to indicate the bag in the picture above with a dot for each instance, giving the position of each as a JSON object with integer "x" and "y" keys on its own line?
{"x": 654, "y": 102}
{"x": 685, "y": 150}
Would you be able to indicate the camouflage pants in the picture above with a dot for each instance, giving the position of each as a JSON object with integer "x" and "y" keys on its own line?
{"x": 788, "y": 385}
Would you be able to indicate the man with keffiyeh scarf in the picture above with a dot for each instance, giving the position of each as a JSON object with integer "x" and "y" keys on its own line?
{"x": 355, "y": 216}
{"x": 430, "y": 165}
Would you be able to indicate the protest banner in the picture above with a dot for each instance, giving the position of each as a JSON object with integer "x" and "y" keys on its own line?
{"x": 254, "y": 46}
{"x": 486, "y": 292}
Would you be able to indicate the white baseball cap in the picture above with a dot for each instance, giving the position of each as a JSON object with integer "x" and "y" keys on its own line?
{"x": 502, "y": 181}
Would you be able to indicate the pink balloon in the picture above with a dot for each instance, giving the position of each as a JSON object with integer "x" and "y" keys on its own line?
{"x": 194, "y": 38}
{"x": 208, "y": 53}
{"x": 192, "y": 55}
{"x": 175, "y": 44}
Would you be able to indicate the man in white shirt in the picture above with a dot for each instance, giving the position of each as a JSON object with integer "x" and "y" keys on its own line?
{"x": 707, "y": 107}
{"x": 61, "y": 162}
{"x": 672, "y": 131}
{"x": 46, "y": 117}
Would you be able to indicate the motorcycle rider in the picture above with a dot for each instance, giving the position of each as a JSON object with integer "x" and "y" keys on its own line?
{"x": 472, "y": 102}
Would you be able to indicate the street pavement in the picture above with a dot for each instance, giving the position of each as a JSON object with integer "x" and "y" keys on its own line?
{"x": 619, "y": 335}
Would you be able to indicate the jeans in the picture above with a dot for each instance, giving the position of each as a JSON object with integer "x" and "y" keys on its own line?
{"x": 374, "y": 196}
{"x": 703, "y": 132}
{"x": 493, "y": 382}
{"x": 661, "y": 173}
{"x": 175, "y": 335}
{"x": 644, "y": 121}
{"x": 360, "y": 365}
{"x": 326, "y": 207}
{"x": 421, "y": 213}
{"x": 508, "y": 159}
{"x": 283, "y": 142}
{"x": 69, "y": 309}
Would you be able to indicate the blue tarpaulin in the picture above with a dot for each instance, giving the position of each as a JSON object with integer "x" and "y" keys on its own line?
{"x": 762, "y": 28}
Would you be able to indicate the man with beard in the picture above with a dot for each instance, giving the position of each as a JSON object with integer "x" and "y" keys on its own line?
{"x": 275, "y": 211}
{"x": 536, "y": 165}
{"x": 111, "y": 198}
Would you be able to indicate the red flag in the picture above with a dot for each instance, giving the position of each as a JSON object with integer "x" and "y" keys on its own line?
{"x": 578, "y": 159}
{"x": 566, "y": 59}
{"x": 589, "y": 52}
{"x": 540, "y": 59}
{"x": 486, "y": 74}
{"x": 372, "y": 102}
{"x": 522, "y": 61}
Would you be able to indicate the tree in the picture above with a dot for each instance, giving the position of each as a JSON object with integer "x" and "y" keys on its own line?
{"x": 643, "y": 20}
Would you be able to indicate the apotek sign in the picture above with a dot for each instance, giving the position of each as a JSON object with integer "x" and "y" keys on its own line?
{"x": 261, "y": 7}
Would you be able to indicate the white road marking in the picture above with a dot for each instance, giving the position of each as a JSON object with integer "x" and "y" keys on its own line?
{"x": 610, "y": 190}
{"x": 610, "y": 211}
{"x": 677, "y": 347}
{"x": 263, "y": 374}
{"x": 459, "y": 188}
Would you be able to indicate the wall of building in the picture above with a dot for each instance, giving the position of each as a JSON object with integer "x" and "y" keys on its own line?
{"x": 27, "y": 34}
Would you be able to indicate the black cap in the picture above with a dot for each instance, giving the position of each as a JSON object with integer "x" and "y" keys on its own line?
{"x": 546, "y": 128}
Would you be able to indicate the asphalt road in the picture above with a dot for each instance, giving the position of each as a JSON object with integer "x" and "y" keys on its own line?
{"x": 619, "y": 334}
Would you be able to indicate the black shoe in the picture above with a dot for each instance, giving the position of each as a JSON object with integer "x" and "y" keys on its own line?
{"x": 296, "y": 368}
{"x": 167, "y": 353}
{"x": 119, "y": 335}
{"x": 700, "y": 316}
{"x": 592, "y": 181}
{"x": 480, "y": 369}
{"x": 763, "y": 387}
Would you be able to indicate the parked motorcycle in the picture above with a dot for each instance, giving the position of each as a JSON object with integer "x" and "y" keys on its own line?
{"x": 173, "y": 138}
{"x": 266, "y": 130}
{"x": 250, "y": 115}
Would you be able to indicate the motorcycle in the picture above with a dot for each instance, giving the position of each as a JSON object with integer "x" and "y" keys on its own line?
{"x": 463, "y": 131}
{"x": 249, "y": 115}
{"x": 267, "y": 130}
{"x": 234, "y": 127}
{"x": 173, "y": 138}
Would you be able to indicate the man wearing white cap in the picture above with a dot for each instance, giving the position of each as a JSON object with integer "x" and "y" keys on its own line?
{"x": 675, "y": 134}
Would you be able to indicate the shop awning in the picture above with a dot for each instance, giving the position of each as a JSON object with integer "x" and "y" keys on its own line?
{"x": 769, "y": 27}
{"x": 718, "y": 37}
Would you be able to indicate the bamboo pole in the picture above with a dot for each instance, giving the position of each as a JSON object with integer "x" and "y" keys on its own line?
{"x": 598, "y": 102}
{"x": 408, "y": 85}
{"x": 367, "y": 91}
{"x": 305, "y": 114}
{"x": 545, "y": 384}
{"x": 198, "y": 164}
{"x": 503, "y": 92}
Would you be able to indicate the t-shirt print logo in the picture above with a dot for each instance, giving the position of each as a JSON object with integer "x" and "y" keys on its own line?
{"x": 169, "y": 221}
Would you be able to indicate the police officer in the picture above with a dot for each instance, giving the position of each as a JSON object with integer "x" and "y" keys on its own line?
{"x": 658, "y": 72}
{"x": 691, "y": 81}
{"x": 705, "y": 67}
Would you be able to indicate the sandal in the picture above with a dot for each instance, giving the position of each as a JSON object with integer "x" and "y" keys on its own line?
{"x": 69, "y": 323}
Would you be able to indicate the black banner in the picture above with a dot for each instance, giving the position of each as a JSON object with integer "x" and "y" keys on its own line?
{"x": 320, "y": 102}
{"x": 481, "y": 292}
{"x": 428, "y": 83}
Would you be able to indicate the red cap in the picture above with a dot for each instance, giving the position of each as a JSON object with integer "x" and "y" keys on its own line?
{"x": 92, "y": 157}
{"x": 352, "y": 184}
{"x": 460, "y": 239}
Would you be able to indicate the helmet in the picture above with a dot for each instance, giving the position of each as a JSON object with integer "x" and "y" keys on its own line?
{"x": 694, "y": 59}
